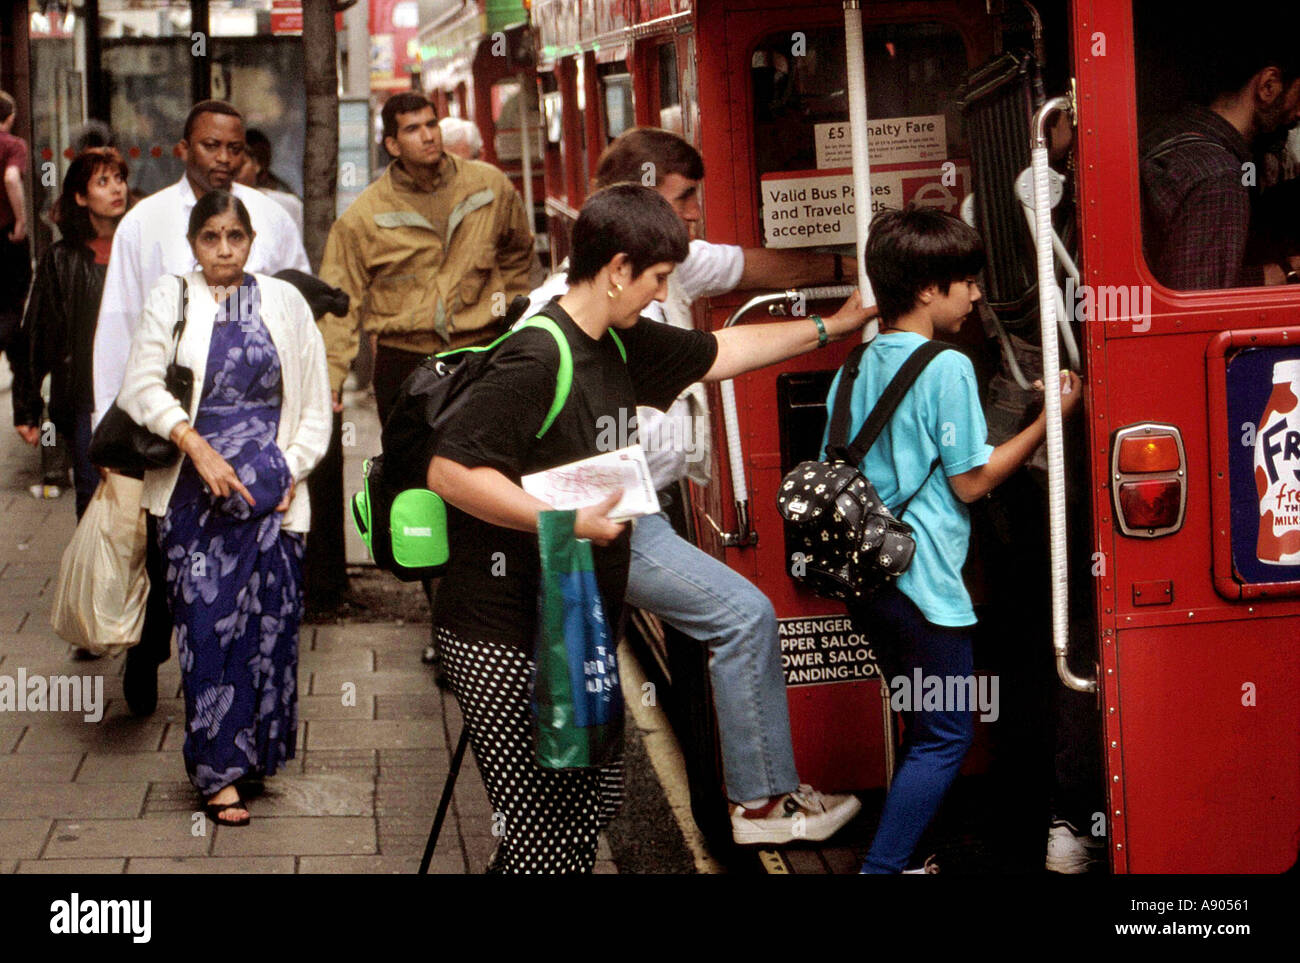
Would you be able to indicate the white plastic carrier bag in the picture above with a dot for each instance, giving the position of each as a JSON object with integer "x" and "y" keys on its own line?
{"x": 99, "y": 600}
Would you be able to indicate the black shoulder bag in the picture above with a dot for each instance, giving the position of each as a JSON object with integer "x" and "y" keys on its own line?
{"x": 124, "y": 446}
{"x": 849, "y": 543}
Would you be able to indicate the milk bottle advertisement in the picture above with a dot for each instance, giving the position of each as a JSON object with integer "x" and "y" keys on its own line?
{"x": 1264, "y": 461}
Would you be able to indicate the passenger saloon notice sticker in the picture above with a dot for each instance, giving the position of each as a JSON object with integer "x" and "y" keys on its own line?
{"x": 824, "y": 649}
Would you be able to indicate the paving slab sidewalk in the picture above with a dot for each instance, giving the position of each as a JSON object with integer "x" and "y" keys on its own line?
{"x": 111, "y": 795}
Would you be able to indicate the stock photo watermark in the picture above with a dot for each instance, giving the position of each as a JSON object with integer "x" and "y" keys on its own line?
{"x": 55, "y": 693}
{"x": 668, "y": 433}
{"x": 126, "y": 917}
{"x": 945, "y": 693}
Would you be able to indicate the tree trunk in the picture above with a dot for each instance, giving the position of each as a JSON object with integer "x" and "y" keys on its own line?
{"x": 320, "y": 160}
{"x": 325, "y": 574}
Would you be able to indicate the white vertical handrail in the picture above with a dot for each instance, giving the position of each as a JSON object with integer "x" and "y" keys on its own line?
{"x": 1047, "y": 303}
{"x": 856, "y": 65}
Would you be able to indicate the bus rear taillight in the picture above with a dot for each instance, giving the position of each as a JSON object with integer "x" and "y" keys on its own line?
{"x": 1149, "y": 479}
{"x": 1150, "y": 453}
{"x": 1150, "y": 504}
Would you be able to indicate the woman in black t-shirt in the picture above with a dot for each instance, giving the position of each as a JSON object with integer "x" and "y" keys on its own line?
{"x": 625, "y": 244}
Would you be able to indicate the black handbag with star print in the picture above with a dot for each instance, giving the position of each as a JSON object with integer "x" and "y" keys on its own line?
{"x": 849, "y": 544}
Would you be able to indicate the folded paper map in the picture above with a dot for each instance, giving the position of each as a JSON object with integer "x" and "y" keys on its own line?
{"x": 586, "y": 482}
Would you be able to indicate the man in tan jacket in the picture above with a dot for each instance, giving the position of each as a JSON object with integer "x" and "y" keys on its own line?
{"x": 431, "y": 254}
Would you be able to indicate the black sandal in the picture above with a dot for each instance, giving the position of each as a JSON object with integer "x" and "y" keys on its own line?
{"x": 214, "y": 811}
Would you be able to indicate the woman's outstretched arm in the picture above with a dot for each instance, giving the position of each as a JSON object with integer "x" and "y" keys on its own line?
{"x": 754, "y": 346}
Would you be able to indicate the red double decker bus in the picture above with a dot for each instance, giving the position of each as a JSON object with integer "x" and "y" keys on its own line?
{"x": 1150, "y": 572}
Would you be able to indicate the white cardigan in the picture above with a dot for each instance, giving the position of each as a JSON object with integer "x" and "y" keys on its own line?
{"x": 306, "y": 417}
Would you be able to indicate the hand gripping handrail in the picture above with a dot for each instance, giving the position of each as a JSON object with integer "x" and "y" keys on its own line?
{"x": 1047, "y": 304}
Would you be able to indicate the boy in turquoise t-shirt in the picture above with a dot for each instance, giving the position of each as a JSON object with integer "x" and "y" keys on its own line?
{"x": 922, "y": 264}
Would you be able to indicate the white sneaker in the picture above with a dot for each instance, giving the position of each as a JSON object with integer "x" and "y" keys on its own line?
{"x": 804, "y": 814}
{"x": 1069, "y": 851}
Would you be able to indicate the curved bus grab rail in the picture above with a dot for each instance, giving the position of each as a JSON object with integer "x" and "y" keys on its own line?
{"x": 731, "y": 420}
{"x": 1047, "y": 306}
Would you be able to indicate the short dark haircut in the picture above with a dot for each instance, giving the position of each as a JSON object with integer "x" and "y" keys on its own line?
{"x": 406, "y": 102}
{"x": 1241, "y": 46}
{"x": 626, "y": 219}
{"x": 7, "y": 106}
{"x": 909, "y": 250}
{"x": 259, "y": 145}
{"x": 212, "y": 204}
{"x": 72, "y": 219}
{"x": 93, "y": 133}
{"x": 624, "y": 160}
{"x": 208, "y": 107}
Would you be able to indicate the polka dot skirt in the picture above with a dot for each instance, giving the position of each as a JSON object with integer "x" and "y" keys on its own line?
{"x": 547, "y": 819}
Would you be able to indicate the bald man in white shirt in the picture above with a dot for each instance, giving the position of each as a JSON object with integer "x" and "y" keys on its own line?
{"x": 150, "y": 242}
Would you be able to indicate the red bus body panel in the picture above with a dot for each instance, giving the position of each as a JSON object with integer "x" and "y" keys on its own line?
{"x": 1200, "y": 696}
{"x": 1202, "y": 776}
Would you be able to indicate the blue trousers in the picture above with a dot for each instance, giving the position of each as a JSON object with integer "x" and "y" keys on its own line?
{"x": 84, "y": 475}
{"x": 935, "y": 741}
{"x": 707, "y": 601}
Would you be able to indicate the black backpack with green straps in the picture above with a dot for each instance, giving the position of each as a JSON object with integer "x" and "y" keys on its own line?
{"x": 402, "y": 522}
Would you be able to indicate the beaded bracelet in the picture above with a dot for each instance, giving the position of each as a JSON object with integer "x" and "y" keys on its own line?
{"x": 821, "y": 331}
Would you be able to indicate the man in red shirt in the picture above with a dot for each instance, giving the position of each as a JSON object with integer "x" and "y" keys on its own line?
{"x": 15, "y": 262}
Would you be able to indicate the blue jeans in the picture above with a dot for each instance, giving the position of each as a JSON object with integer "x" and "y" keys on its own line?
{"x": 935, "y": 740}
{"x": 85, "y": 477}
{"x": 707, "y": 601}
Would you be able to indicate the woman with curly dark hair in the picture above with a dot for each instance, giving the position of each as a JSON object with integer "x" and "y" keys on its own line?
{"x": 58, "y": 328}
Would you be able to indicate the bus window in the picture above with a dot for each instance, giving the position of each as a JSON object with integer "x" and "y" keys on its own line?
{"x": 552, "y": 110}
{"x": 583, "y": 169}
{"x": 690, "y": 94}
{"x": 565, "y": 102}
{"x": 505, "y": 119}
{"x": 801, "y": 131}
{"x": 616, "y": 94}
{"x": 1218, "y": 153}
{"x": 670, "y": 99}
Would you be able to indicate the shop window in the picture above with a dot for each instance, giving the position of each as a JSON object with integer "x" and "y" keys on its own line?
{"x": 262, "y": 76}
{"x": 148, "y": 117}
{"x": 255, "y": 62}
{"x": 58, "y": 94}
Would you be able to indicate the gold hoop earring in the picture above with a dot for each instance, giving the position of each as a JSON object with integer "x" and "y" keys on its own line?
{"x": 611, "y": 293}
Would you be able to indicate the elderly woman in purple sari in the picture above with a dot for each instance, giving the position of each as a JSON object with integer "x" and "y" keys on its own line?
{"x": 233, "y": 512}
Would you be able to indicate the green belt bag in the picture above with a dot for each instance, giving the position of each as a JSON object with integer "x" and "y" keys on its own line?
{"x": 403, "y": 525}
